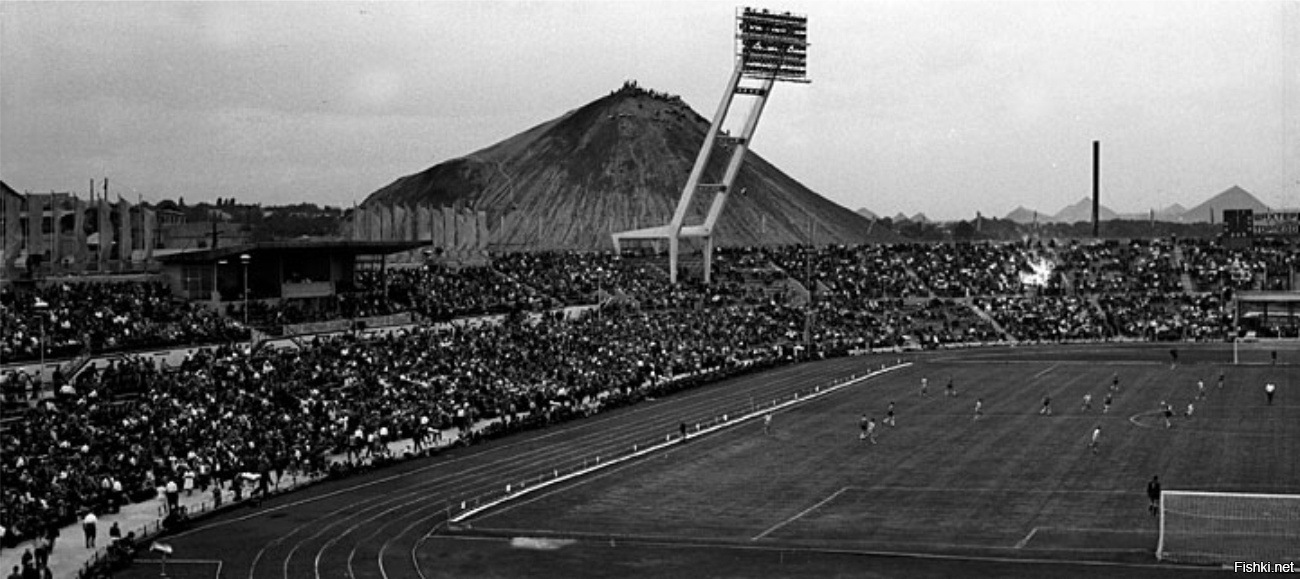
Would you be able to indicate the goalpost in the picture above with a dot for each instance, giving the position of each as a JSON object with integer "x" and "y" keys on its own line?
{"x": 1226, "y": 528}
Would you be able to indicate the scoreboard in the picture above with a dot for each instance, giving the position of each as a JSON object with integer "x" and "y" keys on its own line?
{"x": 1246, "y": 223}
{"x": 1238, "y": 223}
{"x": 1284, "y": 223}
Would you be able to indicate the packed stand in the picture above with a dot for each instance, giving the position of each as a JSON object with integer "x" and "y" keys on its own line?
{"x": 103, "y": 317}
{"x": 1047, "y": 318}
{"x": 1215, "y": 268}
{"x": 1137, "y": 267}
{"x": 135, "y": 427}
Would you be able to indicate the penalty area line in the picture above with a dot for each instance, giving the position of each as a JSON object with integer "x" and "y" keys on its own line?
{"x": 773, "y": 528}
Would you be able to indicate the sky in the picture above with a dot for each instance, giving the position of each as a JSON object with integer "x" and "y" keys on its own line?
{"x": 945, "y": 108}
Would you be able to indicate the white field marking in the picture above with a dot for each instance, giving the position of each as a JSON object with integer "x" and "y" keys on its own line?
{"x": 1182, "y": 422}
{"x": 672, "y": 443}
{"x": 684, "y": 541}
{"x": 415, "y": 560}
{"x": 217, "y": 562}
{"x": 1034, "y": 531}
{"x": 995, "y": 490}
{"x": 551, "y": 492}
{"x": 351, "y": 575}
{"x": 415, "y": 563}
{"x": 798, "y": 515}
{"x": 988, "y": 358}
{"x": 1049, "y": 369}
{"x": 762, "y": 547}
{"x": 1025, "y": 541}
{"x": 1099, "y": 530}
{"x": 1136, "y": 422}
{"x": 384, "y": 548}
{"x": 1256, "y": 407}
{"x": 253, "y": 566}
{"x": 170, "y": 560}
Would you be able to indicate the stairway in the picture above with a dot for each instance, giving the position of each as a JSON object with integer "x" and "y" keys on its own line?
{"x": 1189, "y": 287}
{"x": 992, "y": 322}
{"x": 917, "y": 278}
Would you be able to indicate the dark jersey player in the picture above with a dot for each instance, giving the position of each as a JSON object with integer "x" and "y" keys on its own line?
{"x": 1153, "y": 495}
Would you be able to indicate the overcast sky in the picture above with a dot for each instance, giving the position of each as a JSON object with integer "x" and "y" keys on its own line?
{"x": 945, "y": 108}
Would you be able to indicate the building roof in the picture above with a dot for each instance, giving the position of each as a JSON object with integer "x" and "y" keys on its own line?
{"x": 330, "y": 246}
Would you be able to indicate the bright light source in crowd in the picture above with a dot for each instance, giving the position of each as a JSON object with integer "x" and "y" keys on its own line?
{"x": 1042, "y": 271}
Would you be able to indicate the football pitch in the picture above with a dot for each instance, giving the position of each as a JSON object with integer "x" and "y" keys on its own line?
{"x": 1007, "y": 492}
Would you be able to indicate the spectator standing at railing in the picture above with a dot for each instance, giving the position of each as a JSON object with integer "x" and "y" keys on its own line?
{"x": 88, "y": 527}
{"x": 42, "y": 551}
{"x": 173, "y": 494}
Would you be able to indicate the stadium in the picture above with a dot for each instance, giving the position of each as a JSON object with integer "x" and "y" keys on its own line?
{"x": 620, "y": 343}
{"x": 599, "y": 480}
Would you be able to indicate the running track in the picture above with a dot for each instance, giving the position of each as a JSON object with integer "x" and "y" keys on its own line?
{"x": 370, "y": 526}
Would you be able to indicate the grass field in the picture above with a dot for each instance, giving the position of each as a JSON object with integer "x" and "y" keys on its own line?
{"x": 1013, "y": 489}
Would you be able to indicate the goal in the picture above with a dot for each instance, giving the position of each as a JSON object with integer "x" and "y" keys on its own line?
{"x": 1225, "y": 528}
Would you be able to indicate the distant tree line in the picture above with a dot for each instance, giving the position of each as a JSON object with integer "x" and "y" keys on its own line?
{"x": 264, "y": 223}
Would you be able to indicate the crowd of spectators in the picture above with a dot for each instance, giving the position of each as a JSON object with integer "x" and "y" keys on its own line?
{"x": 118, "y": 432}
{"x": 69, "y": 318}
{"x": 1215, "y": 268}
{"x": 1137, "y": 267}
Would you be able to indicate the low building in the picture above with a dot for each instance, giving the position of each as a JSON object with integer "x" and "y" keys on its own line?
{"x": 275, "y": 270}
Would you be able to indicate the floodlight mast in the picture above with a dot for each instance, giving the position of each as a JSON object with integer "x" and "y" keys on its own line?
{"x": 770, "y": 47}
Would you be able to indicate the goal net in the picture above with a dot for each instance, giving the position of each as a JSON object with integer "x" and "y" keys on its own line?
{"x": 1225, "y": 528}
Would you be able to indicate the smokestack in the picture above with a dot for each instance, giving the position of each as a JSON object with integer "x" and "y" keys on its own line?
{"x": 1096, "y": 188}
